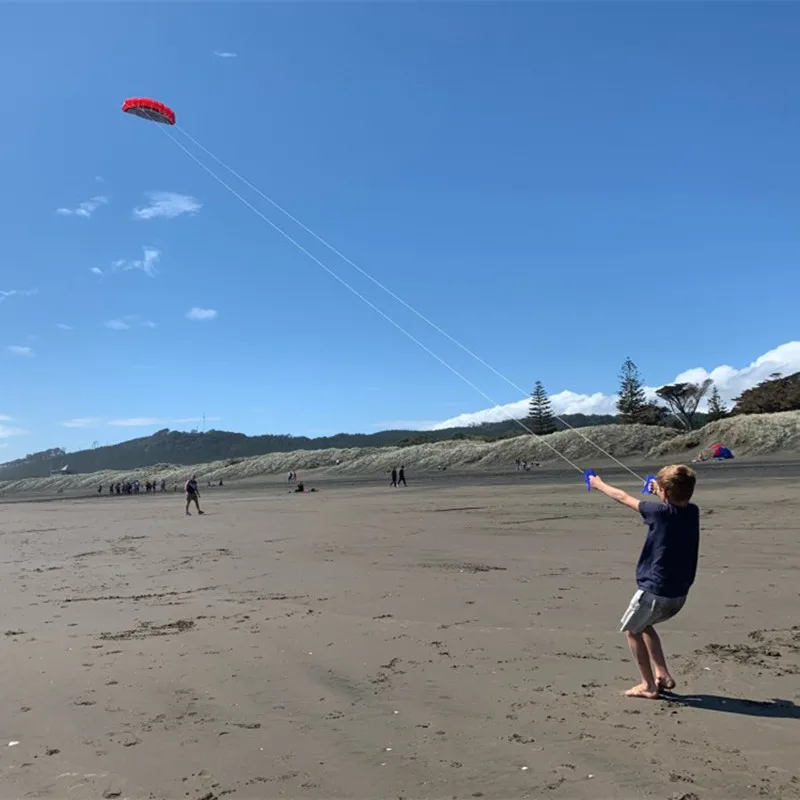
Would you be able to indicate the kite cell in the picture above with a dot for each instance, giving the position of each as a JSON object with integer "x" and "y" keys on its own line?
{"x": 150, "y": 110}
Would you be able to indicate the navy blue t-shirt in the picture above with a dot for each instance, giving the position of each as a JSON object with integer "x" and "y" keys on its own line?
{"x": 668, "y": 563}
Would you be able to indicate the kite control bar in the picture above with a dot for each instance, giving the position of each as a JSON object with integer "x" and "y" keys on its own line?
{"x": 590, "y": 473}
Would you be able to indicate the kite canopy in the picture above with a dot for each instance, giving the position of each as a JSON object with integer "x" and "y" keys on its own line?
{"x": 149, "y": 109}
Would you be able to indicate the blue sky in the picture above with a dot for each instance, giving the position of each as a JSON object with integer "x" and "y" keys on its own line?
{"x": 557, "y": 185}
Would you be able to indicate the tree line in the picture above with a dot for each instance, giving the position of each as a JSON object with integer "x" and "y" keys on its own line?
{"x": 676, "y": 404}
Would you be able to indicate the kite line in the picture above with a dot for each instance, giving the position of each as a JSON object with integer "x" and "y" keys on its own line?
{"x": 156, "y": 113}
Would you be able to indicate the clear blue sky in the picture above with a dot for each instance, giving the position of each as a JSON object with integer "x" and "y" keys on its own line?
{"x": 559, "y": 185}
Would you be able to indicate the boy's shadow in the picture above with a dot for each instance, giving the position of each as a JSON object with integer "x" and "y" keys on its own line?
{"x": 776, "y": 708}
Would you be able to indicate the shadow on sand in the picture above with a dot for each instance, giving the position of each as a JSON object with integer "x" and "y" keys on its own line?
{"x": 776, "y": 708}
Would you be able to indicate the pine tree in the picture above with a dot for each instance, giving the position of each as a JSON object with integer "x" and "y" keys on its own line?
{"x": 540, "y": 417}
{"x": 632, "y": 403}
{"x": 716, "y": 407}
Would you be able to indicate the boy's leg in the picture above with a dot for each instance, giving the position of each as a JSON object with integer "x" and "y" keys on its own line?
{"x": 647, "y": 688}
{"x": 653, "y": 643}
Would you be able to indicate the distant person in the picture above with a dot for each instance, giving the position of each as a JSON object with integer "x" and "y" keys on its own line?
{"x": 665, "y": 572}
{"x": 394, "y": 477}
{"x": 100, "y": 489}
{"x": 401, "y": 477}
{"x": 192, "y": 495}
{"x": 291, "y": 475}
{"x": 163, "y": 485}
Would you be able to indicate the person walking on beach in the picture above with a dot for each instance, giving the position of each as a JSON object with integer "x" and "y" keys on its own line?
{"x": 192, "y": 495}
{"x": 401, "y": 477}
{"x": 666, "y": 570}
{"x": 394, "y": 477}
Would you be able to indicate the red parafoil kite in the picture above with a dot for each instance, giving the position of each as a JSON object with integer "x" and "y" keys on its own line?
{"x": 149, "y": 109}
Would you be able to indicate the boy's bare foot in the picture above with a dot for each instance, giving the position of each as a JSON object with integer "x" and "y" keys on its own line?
{"x": 665, "y": 683}
{"x": 644, "y": 691}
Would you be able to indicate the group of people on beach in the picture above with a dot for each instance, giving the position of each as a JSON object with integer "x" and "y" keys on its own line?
{"x": 398, "y": 477}
{"x": 133, "y": 487}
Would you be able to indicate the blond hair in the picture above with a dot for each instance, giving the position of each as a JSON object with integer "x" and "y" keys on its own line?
{"x": 677, "y": 482}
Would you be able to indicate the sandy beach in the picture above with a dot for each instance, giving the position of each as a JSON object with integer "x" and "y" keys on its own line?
{"x": 454, "y": 639}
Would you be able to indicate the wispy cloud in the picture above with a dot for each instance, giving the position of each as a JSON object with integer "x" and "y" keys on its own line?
{"x": 96, "y": 271}
{"x": 129, "y": 321}
{"x": 147, "y": 263}
{"x": 84, "y": 209}
{"x": 4, "y": 295}
{"x": 730, "y": 381}
{"x": 63, "y": 327}
{"x": 21, "y": 350}
{"x": 225, "y": 54}
{"x": 82, "y": 422}
{"x": 148, "y": 422}
{"x": 99, "y": 179}
{"x": 167, "y": 205}
{"x": 132, "y": 422}
{"x": 117, "y": 325}
{"x": 201, "y": 314}
{"x": 7, "y": 431}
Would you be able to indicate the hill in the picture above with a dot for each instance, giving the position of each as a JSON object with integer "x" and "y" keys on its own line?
{"x": 746, "y": 435}
{"x": 623, "y": 441}
{"x": 177, "y": 447}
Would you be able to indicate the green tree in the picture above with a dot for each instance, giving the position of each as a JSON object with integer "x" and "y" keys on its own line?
{"x": 653, "y": 414}
{"x": 775, "y": 394}
{"x": 716, "y": 406}
{"x": 631, "y": 402}
{"x": 684, "y": 398}
{"x": 540, "y": 416}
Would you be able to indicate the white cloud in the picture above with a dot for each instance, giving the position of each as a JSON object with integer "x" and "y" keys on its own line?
{"x": 99, "y": 179}
{"x": 63, "y": 327}
{"x": 147, "y": 263}
{"x": 132, "y": 422}
{"x": 6, "y": 431}
{"x": 129, "y": 321}
{"x": 225, "y": 54}
{"x": 405, "y": 425}
{"x": 5, "y": 418}
{"x": 117, "y": 325}
{"x": 148, "y": 422}
{"x": 167, "y": 205}
{"x": 82, "y": 422}
{"x": 201, "y": 314}
{"x": 730, "y": 381}
{"x": 96, "y": 271}
{"x": 84, "y": 209}
{"x": 4, "y": 295}
{"x": 21, "y": 350}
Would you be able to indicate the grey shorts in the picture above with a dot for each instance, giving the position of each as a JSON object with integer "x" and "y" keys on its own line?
{"x": 647, "y": 609}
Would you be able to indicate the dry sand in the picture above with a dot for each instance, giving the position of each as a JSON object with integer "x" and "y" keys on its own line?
{"x": 445, "y": 641}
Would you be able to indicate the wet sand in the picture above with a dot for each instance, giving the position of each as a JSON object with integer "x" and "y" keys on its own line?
{"x": 455, "y": 639}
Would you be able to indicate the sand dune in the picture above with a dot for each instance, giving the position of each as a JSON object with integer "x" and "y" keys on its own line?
{"x": 748, "y": 436}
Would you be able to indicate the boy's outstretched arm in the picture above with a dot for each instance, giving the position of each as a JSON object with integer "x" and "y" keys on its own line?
{"x": 615, "y": 494}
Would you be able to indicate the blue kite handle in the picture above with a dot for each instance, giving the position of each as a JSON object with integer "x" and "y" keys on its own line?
{"x": 648, "y": 480}
{"x": 590, "y": 473}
